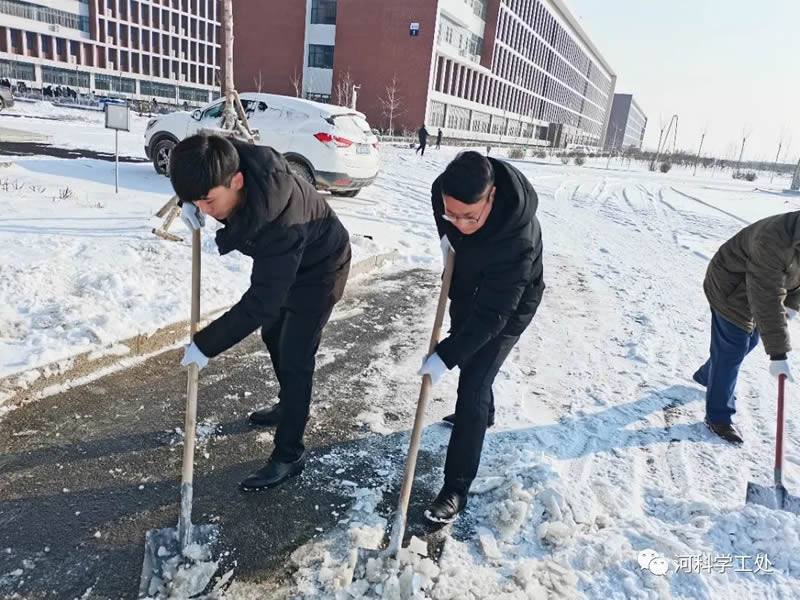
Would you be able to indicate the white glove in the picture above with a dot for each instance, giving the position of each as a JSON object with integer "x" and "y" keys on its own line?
{"x": 192, "y": 354}
{"x": 780, "y": 367}
{"x": 433, "y": 366}
{"x": 192, "y": 217}
{"x": 790, "y": 313}
{"x": 445, "y": 247}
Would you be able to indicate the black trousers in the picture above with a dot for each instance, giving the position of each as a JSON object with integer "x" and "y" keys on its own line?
{"x": 292, "y": 342}
{"x": 421, "y": 147}
{"x": 474, "y": 405}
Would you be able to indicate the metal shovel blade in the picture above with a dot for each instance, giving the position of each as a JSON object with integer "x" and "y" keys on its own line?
{"x": 163, "y": 556}
{"x": 774, "y": 497}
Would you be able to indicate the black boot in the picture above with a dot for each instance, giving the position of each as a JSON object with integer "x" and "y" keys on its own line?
{"x": 726, "y": 432}
{"x": 451, "y": 420}
{"x": 266, "y": 416}
{"x": 446, "y": 506}
{"x": 272, "y": 474}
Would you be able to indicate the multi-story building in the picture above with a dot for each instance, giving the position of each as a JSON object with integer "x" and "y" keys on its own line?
{"x": 484, "y": 70}
{"x": 163, "y": 49}
{"x": 626, "y": 125}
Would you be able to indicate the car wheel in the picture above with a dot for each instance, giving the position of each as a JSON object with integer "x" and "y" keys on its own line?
{"x": 160, "y": 155}
{"x": 301, "y": 171}
{"x": 346, "y": 194}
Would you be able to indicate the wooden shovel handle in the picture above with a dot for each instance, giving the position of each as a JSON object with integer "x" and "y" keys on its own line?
{"x": 398, "y": 529}
{"x": 779, "y": 432}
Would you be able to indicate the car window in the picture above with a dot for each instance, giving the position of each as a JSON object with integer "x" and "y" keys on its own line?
{"x": 250, "y": 107}
{"x": 352, "y": 126}
{"x": 215, "y": 111}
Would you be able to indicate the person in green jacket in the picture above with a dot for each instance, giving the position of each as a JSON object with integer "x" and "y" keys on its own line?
{"x": 753, "y": 287}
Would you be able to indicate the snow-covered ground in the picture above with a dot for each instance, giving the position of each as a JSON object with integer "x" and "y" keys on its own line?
{"x": 599, "y": 453}
{"x": 600, "y": 461}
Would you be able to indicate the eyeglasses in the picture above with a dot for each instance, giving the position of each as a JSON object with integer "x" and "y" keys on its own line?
{"x": 470, "y": 220}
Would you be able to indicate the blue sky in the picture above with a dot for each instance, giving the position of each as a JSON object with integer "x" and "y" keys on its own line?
{"x": 727, "y": 64}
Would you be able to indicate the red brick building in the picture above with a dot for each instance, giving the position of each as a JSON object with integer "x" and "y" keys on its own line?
{"x": 516, "y": 71}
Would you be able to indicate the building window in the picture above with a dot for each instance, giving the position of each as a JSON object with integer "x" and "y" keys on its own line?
{"x": 11, "y": 69}
{"x": 67, "y": 77}
{"x": 112, "y": 83}
{"x": 156, "y": 89}
{"x": 323, "y": 12}
{"x": 193, "y": 95}
{"x": 436, "y": 114}
{"x": 323, "y": 98}
{"x": 320, "y": 56}
{"x": 43, "y": 14}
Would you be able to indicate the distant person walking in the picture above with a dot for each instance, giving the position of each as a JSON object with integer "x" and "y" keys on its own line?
{"x": 423, "y": 140}
{"x": 439, "y": 139}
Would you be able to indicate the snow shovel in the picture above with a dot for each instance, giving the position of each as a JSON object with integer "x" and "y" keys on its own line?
{"x": 775, "y": 497}
{"x": 401, "y": 514}
{"x": 164, "y": 549}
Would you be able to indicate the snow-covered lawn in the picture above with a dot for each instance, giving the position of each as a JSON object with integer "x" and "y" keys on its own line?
{"x": 599, "y": 452}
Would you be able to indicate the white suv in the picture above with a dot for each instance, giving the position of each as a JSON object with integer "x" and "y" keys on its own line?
{"x": 332, "y": 147}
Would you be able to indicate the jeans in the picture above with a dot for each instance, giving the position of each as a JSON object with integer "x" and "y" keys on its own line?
{"x": 729, "y": 345}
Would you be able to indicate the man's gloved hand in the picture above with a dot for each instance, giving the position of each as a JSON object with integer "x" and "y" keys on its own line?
{"x": 192, "y": 354}
{"x": 434, "y": 366}
{"x": 780, "y": 366}
{"x": 445, "y": 247}
{"x": 192, "y": 217}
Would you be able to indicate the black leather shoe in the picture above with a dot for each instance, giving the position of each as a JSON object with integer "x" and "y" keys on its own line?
{"x": 726, "y": 432}
{"x": 451, "y": 420}
{"x": 446, "y": 506}
{"x": 272, "y": 474}
{"x": 266, "y": 417}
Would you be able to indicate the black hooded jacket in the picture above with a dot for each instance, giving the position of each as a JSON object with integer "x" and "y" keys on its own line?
{"x": 497, "y": 282}
{"x": 300, "y": 249}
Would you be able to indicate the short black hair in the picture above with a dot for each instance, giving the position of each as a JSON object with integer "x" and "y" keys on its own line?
{"x": 201, "y": 162}
{"x": 467, "y": 177}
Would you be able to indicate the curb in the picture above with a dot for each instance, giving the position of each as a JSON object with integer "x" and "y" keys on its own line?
{"x": 18, "y": 389}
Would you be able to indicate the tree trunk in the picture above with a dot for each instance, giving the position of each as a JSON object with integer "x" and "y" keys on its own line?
{"x": 228, "y": 87}
{"x": 796, "y": 179}
{"x": 227, "y": 34}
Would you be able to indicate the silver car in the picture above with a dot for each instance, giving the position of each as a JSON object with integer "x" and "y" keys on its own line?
{"x": 6, "y": 98}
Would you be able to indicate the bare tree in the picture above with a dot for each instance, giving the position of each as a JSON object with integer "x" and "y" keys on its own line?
{"x": 392, "y": 104}
{"x": 745, "y": 134}
{"x": 662, "y": 126}
{"x": 778, "y": 154}
{"x": 700, "y": 149}
{"x": 297, "y": 83}
{"x": 258, "y": 81}
{"x": 795, "y": 187}
{"x": 344, "y": 89}
{"x": 233, "y": 116}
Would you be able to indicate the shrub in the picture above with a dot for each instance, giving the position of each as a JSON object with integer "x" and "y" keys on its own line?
{"x": 541, "y": 154}
{"x": 750, "y": 176}
{"x": 516, "y": 152}
{"x": 580, "y": 159}
{"x": 665, "y": 166}
{"x": 564, "y": 160}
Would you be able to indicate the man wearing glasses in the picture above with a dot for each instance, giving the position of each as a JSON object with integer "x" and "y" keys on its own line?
{"x": 485, "y": 210}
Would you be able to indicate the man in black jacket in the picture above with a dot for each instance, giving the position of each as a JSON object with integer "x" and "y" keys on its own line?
{"x": 423, "y": 140}
{"x": 301, "y": 259}
{"x": 485, "y": 210}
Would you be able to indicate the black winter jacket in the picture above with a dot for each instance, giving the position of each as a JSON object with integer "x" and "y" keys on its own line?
{"x": 300, "y": 249}
{"x": 497, "y": 282}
